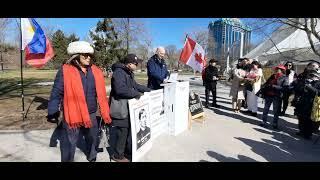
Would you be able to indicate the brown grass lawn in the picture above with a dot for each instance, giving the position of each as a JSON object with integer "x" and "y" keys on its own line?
{"x": 36, "y": 98}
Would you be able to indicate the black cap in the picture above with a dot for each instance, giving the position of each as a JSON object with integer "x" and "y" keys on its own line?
{"x": 213, "y": 61}
{"x": 131, "y": 58}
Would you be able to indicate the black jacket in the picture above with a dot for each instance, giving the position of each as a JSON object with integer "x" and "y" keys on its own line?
{"x": 211, "y": 71}
{"x": 304, "y": 95}
{"x": 123, "y": 86}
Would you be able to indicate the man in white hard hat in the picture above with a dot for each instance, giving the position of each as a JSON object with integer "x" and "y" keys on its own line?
{"x": 79, "y": 88}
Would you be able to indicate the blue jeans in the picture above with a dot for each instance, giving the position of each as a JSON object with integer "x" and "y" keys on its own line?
{"x": 71, "y": 137}
{"x": 276, "y": 108}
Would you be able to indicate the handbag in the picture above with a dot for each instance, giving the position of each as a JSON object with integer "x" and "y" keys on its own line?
{"x": 103, "y": 136}
{"x": 119, "y": 108}
{"x": 315, "y": 113}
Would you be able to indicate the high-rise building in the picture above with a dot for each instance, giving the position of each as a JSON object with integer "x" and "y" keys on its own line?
{"x": 228, "y": 36}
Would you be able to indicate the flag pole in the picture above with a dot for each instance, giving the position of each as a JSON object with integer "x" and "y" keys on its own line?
{"x": 21, "y": 61}
{"x": 180, "y": 54}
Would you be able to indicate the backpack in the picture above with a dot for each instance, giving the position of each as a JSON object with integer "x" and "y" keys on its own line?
{"x": 315, "y": 113}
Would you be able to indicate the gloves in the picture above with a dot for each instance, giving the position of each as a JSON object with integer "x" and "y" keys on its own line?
{"x": 137, "y": 97}
{"x": 53, "y": 118}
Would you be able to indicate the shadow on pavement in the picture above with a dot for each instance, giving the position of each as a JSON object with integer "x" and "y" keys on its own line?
{"x": 238, "y": 116}
{"x": 283, "y": 147}
{"x": 222, "y": 158}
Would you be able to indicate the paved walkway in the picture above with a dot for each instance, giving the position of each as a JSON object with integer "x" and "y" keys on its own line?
{"x": 225, "y": 136}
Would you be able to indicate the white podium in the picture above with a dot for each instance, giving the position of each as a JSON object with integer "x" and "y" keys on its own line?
{"x": 176, "y": 100}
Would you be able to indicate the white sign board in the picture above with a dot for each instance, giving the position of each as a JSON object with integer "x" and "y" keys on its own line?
{"x": 140, "y": 126}
{"x": 159, "y": 124}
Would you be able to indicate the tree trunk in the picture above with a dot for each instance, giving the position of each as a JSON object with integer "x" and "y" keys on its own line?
{"x": 1, "y": 60}
{"x": 128, "y": 29}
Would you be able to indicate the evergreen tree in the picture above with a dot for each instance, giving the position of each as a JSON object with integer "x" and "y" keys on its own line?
{"x": 106, "y": 44}
{"x": 60, "y": 44}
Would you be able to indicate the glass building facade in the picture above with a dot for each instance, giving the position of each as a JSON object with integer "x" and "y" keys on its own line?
{"x": 226, "y": 34}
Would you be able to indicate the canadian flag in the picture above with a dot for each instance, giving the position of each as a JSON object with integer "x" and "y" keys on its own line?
{"x": 193, "y": 55}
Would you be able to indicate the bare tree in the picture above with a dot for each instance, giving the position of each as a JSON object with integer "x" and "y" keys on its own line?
{"x": 171, "y": 52}
{"x": 206, "y": 41}
{"x": 130, "y": 31}
{"x": 309, "y": 26}
{"x": 263, "y": 26}
{"x": 200, "y": 35}
{"x": 210, "y": 49}
{"x": 4, "y": 22}
{"x": 143, "y": 49}
{"x": 47, "y": 26}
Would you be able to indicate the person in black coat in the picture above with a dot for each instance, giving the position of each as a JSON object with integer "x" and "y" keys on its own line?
{"x": 211, "y": 78}
{"x": 306, "y": 88}
{"x": 123, "y": 86}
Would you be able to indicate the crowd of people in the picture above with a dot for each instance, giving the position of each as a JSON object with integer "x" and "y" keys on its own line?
{"x": 247, "y": 87}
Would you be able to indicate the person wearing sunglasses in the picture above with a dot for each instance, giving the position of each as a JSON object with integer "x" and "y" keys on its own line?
{"x": 123, "y": 87}
{"x": 79, "y": 87}
{"x": 290, "y": 76}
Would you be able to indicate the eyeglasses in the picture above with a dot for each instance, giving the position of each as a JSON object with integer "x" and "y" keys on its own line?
{"x": 289, "y": 65}
{"x": 86, "y": 55}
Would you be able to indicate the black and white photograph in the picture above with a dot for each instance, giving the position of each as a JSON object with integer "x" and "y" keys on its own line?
{"x": 143, "y": 131}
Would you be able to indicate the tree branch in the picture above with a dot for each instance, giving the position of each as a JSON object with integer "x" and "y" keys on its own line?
{"x": 313, "y": 25}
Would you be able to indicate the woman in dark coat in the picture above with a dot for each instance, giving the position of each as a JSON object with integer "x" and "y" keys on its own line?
{"x": 306, "y": 88}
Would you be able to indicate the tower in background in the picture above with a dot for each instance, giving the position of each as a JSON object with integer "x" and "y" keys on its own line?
{"x": 231, "y": 39}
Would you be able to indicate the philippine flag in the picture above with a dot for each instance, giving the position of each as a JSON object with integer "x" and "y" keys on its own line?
{"x": 193, "y": 55}
{"x": 38, "y": 50}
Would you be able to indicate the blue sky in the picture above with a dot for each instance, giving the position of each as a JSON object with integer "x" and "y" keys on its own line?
{"x": 164, "y": 31}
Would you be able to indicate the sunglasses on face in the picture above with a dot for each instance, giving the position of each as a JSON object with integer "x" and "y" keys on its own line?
{"x": 87, "y": 55}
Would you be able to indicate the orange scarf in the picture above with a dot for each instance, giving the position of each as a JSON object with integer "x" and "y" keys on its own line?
{"x": 75, "y": 106}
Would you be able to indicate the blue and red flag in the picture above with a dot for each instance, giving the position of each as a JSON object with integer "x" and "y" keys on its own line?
{"x": 38, "y": 49}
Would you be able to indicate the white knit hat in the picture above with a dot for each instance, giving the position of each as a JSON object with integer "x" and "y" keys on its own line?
{"x": 78, "y": 47}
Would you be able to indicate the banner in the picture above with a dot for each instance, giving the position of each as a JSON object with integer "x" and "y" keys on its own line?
{"x": 159, "y": 124}
{"x": 140, "y": 126}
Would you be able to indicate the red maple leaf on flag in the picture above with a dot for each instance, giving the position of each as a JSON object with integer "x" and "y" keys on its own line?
{"x": 198, "y": 58}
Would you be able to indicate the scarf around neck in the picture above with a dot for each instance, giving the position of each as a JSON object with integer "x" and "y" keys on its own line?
{"x": 75, "y": 106}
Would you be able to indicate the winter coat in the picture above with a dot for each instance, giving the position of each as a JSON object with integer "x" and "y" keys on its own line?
{"x": 237, "y": 87}
{"x": 210, "y": 72}
{"x": 123, "y": 86}
{"x": 157, "y": 72}
{"x": 57, "y": 93}
{"x": 274, "y": 85}
{"x": 304, "y": 96}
